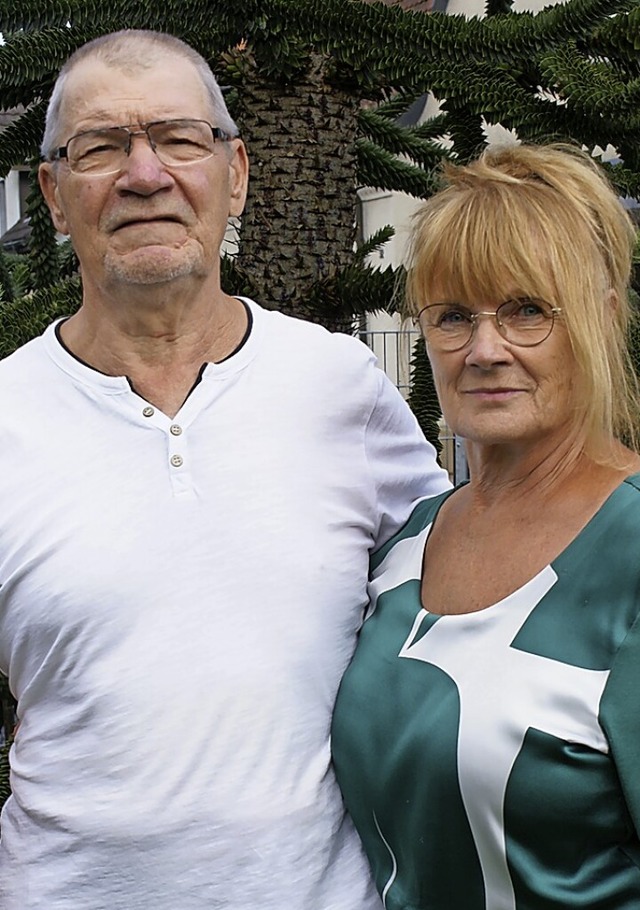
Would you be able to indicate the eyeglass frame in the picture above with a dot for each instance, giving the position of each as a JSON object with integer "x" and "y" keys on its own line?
{"x": 61, "y": 153}
{"x": 473, "y": 319}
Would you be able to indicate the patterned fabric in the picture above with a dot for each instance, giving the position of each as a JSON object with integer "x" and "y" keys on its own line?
{"x": 491, "y": 760}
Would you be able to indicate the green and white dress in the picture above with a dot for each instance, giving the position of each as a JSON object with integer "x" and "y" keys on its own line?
{"x": 491, "y": 760}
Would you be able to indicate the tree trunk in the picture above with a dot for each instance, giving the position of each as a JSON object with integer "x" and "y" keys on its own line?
{"x": 298, "y": 227}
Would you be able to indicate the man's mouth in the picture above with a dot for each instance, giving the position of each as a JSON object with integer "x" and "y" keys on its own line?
{"x": 146, "y": 219}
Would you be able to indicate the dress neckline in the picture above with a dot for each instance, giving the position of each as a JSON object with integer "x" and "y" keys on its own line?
{"x": 632, "y": 479}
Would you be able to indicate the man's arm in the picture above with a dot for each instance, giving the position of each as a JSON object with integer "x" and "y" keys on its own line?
{"x": 403, "y": 464}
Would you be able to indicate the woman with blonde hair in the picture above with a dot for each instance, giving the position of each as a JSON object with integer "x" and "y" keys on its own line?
{"x": 487, "y": 733}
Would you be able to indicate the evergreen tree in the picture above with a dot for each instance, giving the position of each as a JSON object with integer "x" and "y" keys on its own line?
{"x": 317, "y": 87}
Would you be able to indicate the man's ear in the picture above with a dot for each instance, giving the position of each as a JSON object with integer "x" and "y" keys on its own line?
{"x": 48, "y": 180}
{"x": 238, "y": 177}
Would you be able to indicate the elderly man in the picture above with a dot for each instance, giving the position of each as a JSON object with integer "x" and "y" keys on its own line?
{"x": 190, "y": 490}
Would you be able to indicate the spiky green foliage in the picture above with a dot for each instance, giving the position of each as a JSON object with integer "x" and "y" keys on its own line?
{"x": 19, "y": 279}
{"x": 5, "y": 787}
{"x": 301, "y": 71}
{"x": 7, "y": 286}
{"x": 29, "y": 315}
{"x": 422, "y": 398}
{"x": 43, "y": 252}
{"x": 379, "y": 168}
{"x": 387, "y": 134}
{"x": 7, "y": 718}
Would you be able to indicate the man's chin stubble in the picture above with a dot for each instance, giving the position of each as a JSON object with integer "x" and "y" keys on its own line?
{"x": 149, "y": 271}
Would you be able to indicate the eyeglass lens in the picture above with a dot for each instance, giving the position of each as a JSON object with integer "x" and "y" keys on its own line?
{"x": 175, "y": 142}
{"x": 525, "y": 322}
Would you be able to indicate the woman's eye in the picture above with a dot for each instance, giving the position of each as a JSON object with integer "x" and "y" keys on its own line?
{"x": 528, "y": 309}
{"x": 453, "y": 317}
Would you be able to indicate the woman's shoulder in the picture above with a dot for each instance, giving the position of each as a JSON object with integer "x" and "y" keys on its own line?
{"x": 423, "y": 515}
{"x": 631, "y": 483}
{"x": 625, "y": 499}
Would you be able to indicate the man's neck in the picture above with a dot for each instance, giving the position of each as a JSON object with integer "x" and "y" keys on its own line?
{"x": 160, "y": 350}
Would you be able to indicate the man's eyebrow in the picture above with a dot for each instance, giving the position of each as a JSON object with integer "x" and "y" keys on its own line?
{"x": 100, "y": 115}
{"x": 100, "y": 119}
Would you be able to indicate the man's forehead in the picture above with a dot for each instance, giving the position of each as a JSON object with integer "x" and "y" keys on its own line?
{"x": 168, "y": 85}
{"x": 162, "y": 66}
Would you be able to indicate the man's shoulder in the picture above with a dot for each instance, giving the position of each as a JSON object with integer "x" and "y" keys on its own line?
{"x": 18, "y": 367}
{"x": 29, "y": 349}
{"x": 308, "y": 337}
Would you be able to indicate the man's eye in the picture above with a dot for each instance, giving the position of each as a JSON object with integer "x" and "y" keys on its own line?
{"x": 181, "y": 136}
{"x": 95, "y": 146}
{"x": 179, "y": 139}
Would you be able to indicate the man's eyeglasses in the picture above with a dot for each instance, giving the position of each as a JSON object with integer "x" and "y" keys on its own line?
{"x": 175, "y": 142}
{"x": 525, "y": 322}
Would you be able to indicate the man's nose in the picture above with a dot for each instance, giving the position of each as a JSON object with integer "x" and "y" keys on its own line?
{"x": 142, "y": 171}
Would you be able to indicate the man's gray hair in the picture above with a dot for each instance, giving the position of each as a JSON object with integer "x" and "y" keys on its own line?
{"x": 131, "y": 50}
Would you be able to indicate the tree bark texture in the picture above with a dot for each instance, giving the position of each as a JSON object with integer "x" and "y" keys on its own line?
{"x": 299, "y": 222}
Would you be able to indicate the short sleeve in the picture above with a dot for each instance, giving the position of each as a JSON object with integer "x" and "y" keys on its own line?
{"x": 402, "y": 463}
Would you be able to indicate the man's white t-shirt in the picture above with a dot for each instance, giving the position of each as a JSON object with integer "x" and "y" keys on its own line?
{"x": 178, "y": 601}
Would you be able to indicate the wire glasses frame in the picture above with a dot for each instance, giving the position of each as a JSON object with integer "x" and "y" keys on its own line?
{"x": 175, "y": 142}
{"x": 525, "y": 322}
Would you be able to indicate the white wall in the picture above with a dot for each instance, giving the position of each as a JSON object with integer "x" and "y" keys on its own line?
{"x": 380, "y": 209}
{"x": 12, "y": 198}
{"x": 476, "y": 7}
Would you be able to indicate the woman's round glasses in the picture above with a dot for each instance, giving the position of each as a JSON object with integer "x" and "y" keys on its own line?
{"x": 525, "y": 321}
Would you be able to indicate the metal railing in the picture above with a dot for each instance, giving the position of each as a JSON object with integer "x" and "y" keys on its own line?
{"x": 393, "y": 350}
